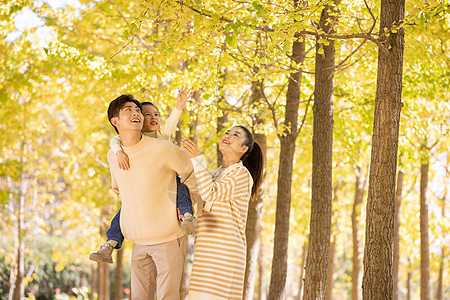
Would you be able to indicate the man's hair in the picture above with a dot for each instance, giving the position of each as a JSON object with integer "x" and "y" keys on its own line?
{"x": 117, "y": 104}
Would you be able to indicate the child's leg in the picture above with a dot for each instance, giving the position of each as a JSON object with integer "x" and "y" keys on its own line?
{"x": 184, "y": 203}
{"x": 114, "y": 233}
{"x": 114, "y": 240}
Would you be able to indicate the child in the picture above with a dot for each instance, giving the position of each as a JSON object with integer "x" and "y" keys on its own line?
{"x": 152, "y": 128}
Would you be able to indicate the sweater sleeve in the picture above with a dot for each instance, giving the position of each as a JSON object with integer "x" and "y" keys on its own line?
{"x": 169, "y": 127}
{"x": 180, "y": 162}
{"x": 223, "y": 190}
{"x": 115, "y": 144}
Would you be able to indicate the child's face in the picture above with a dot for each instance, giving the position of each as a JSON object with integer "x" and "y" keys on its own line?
{"x": 152, "y": 121}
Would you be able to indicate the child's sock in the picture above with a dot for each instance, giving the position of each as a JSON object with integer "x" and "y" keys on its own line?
{"x": 112, "y": 243}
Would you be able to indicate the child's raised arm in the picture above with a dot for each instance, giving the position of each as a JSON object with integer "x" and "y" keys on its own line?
{"x": 183, "y": 96}
{"x": 122, "y": 157}
{"x": 170, "y": 126}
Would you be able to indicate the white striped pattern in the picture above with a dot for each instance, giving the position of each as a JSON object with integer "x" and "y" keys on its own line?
{"x": 220, "y": 244}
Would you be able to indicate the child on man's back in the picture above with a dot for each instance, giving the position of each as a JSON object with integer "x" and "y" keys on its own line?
{"x": 151, "y": 127}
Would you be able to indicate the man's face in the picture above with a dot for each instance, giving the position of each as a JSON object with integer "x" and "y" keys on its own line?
{"x": 152, "y": 120}
{"x": 130, "y": 118}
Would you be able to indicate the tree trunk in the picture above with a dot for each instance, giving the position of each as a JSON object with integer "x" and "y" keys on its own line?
{"x": 408, "y": 285}
{"x": 221, "y": 120}
{"x": 261, "y": 291}
{"x": 103, "y": 281}
{"x": 360, "y": 185}
{"x": 302, "y": 269}
{"x": 441, "y": 263}
{"x": 424, "y": 246}
{"x": 378, "y": 251}
{"x": 398, "y": 200}
{"x": 17, "y": 287}
{"x": 118, "y": 286}
{"x": 184, "y": 287}
{"x": 253, "y": 228}
{"x": 321, "y": 189}
{"x": 94, "y": 281}
{"x": 329, "y": 293}
{"x": 285, "y": 168}
{"x": 193, "y": 124}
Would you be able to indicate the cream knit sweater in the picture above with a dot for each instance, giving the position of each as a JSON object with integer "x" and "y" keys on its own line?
{"x": 148, "y": 190}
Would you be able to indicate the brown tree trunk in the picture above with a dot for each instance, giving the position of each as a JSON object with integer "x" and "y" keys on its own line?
{"x": 193, "y": 125}
{"x": 221, "y": 120}
{"x": 17, "y": 287}
{"x": 408, "y": 285}
{"x": 441, "y": 263}
{"x": 261, "y": 291}
{"x": 94, "y": 281}
{"x": 360, "y": 185}
{"x": 253, "y": 228}
{"x": 302, "y": 271}
{"x": 184, "y": 287}
{"x": 186, "y": 277}
{"x": 424, "y": 246}
{"x": 396, "y": 259}
{"x": 378, "y": 251}
{"x": 329, "y": 293}
{"x": 321, "y": 189}
{"x": 103, "y": 281}
{"x": 118, "y": 286}
{"x": 285, "y": 168}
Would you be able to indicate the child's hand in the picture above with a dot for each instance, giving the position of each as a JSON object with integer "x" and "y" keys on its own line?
{"x": 122, "y": 159}
{"x": 190, "y": 147}
{"x": 183, "y": 95}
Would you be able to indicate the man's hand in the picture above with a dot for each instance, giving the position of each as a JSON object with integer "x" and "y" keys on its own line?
{"x": 191, "y": 148}
{"x": 183, "y": 95}
{"x": 122, "y": 159}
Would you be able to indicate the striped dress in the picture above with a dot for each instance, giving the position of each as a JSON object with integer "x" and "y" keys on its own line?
{"x": 220, "y": 244}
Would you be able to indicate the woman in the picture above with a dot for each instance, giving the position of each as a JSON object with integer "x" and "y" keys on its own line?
{"x": 220, "y": 243}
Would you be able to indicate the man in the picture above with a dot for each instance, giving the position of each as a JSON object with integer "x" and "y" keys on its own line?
{"x": 148, "y": 194}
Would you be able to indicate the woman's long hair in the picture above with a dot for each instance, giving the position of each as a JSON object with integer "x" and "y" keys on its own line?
{"x": 253, "y": 160}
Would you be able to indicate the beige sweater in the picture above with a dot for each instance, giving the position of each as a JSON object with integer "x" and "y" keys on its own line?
{"x": 148, "y": 190}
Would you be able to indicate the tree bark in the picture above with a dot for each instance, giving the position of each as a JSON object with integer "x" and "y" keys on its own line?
{"x": 118, "y": 286}
{"x": 396, "y": 259}
{"x": 360, "y": 185}
{"x": 284, "y": 183}
{"x": 17, "y": 287}
{"x": 321, "y": 189}
{"x": 302, "y": 271}
{"x": 424, "y": 246}
{"x": 184, "y": 287}
{"x": 408, "y": 285}
{"x": 94, "y": 281}
{"x": 103, "y": 281}
{"x": 441, "y": 263}
{"x": 186, "y": 277}
{"x": 329, "y": 293}
{"x": 261, "y": 291}
{"x": 253, "y": 228}
{"x": 378, "y": 251}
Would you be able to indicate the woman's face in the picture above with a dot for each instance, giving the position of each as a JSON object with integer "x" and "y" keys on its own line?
{"x": 233, "y": 141}
{"x": 152, "y": 120}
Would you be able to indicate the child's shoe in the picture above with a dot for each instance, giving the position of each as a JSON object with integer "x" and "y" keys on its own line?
{"x": 188, "y": 223}
{"x": 104, "y": 254}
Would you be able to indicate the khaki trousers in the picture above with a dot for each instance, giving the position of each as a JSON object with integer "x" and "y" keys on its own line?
{"x": 156, "y": 270}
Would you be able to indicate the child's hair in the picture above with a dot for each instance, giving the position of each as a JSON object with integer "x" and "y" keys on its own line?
{"x": 149, "y": 103}
{"x": 117, "y": 104}
{"x": 253, "y": 160}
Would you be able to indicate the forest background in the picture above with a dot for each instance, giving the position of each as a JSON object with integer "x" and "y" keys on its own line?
{"x": 249, "y": 62}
